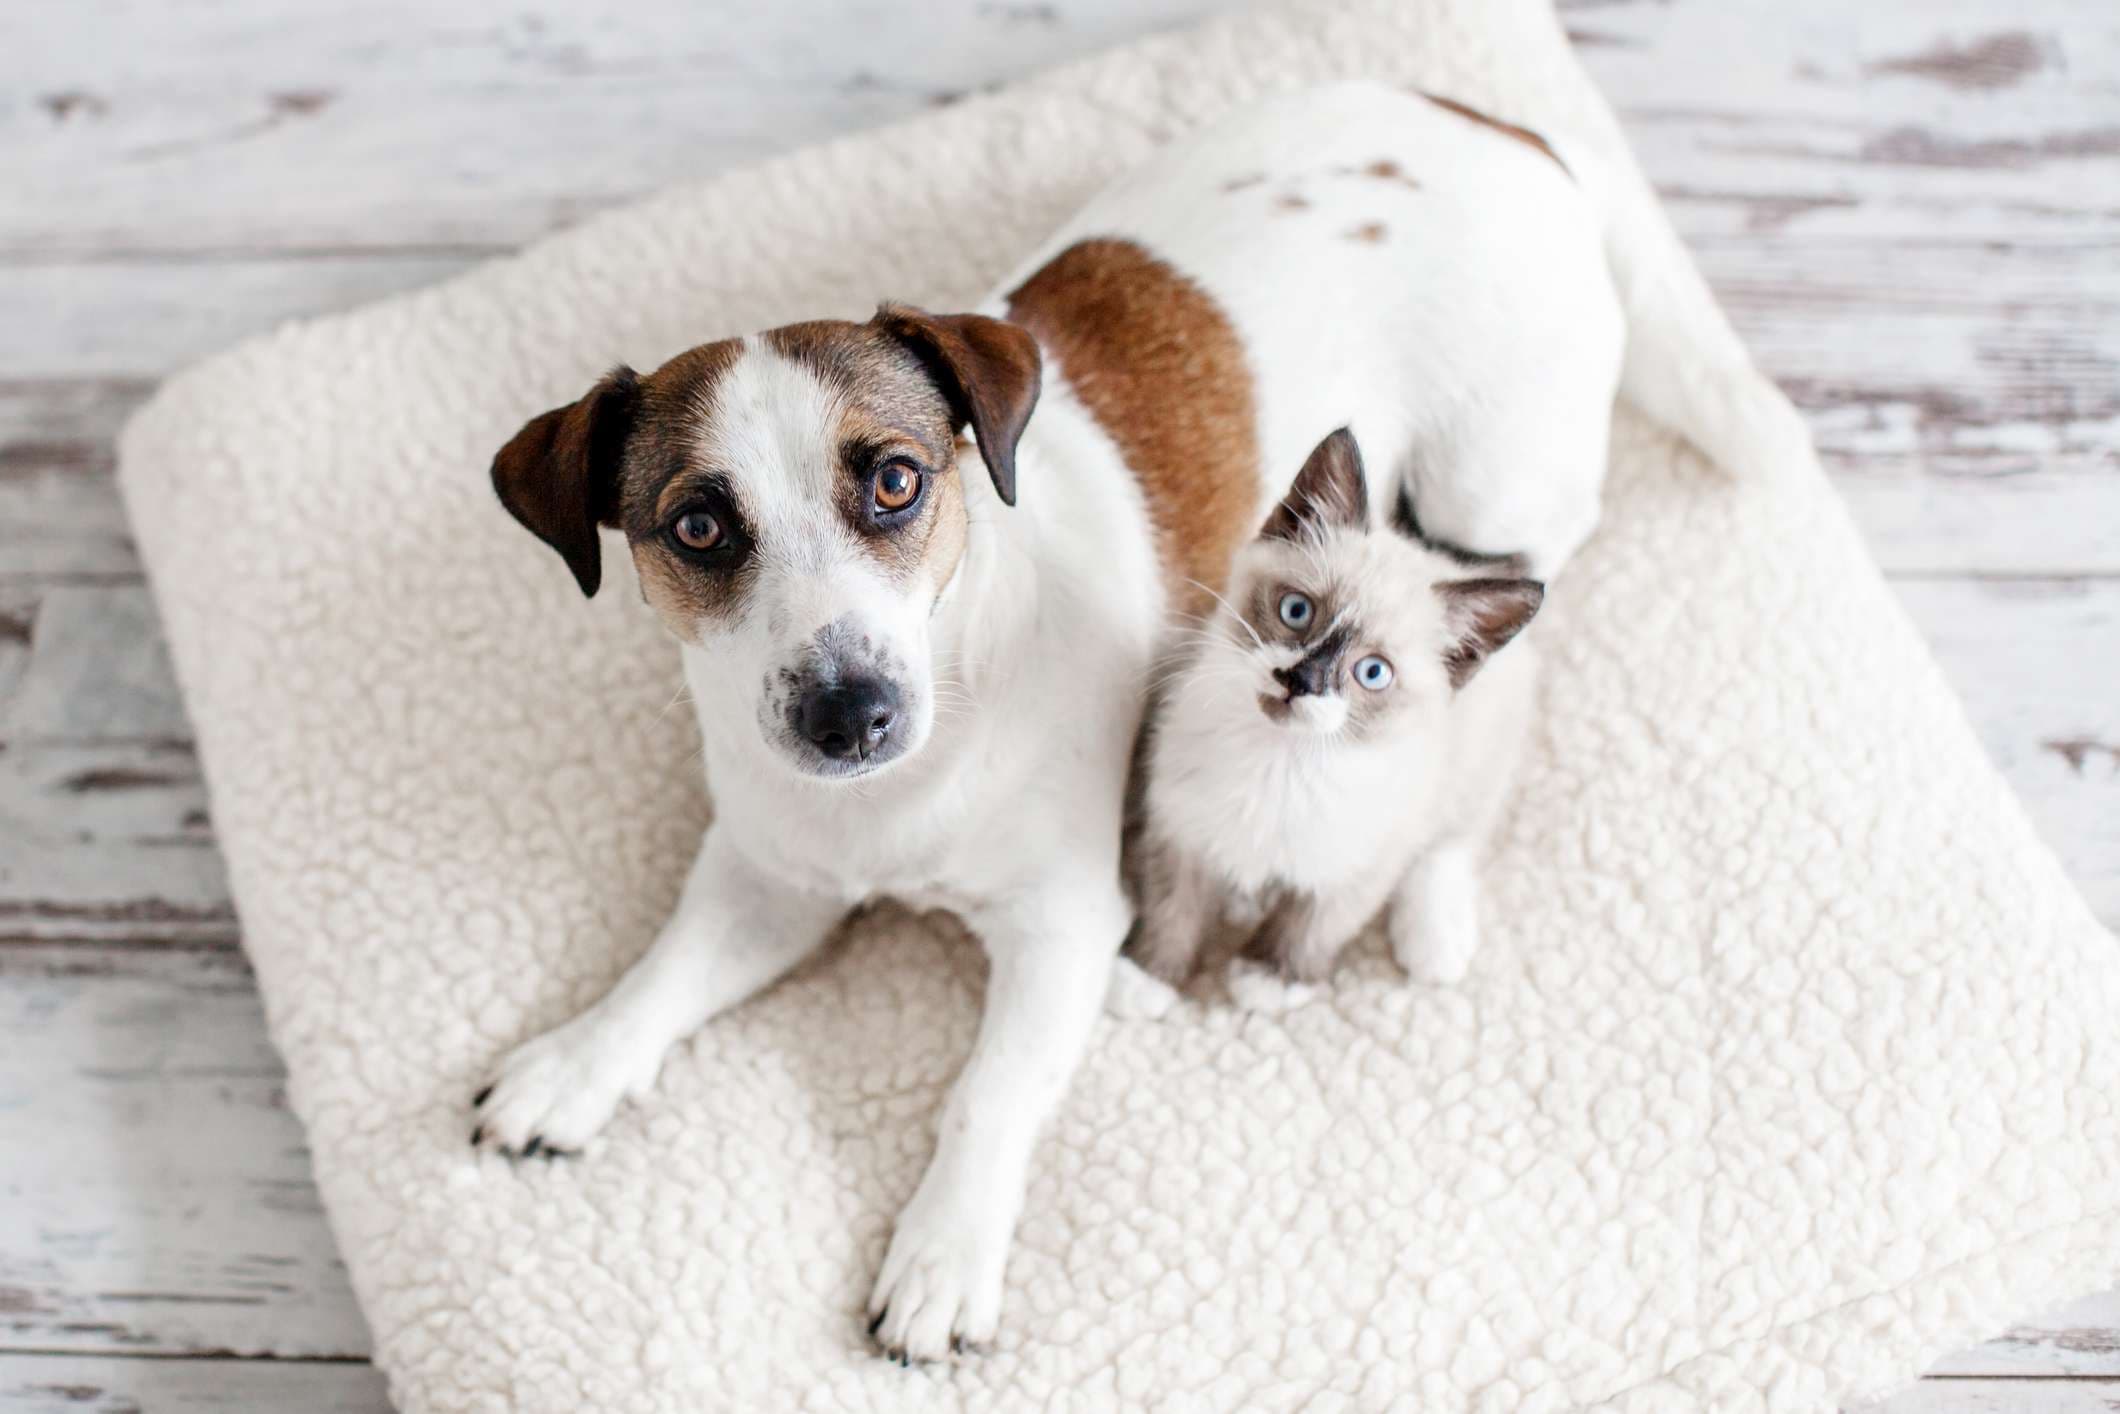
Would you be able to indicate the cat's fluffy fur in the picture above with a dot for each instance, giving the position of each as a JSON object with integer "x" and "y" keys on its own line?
{"x": 1291, "y": 788}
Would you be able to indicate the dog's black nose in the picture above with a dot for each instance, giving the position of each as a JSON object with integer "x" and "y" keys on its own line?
{"x": 851, "y": 718}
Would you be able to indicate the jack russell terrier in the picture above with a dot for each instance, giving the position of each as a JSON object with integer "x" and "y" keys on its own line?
{"x": 910, "y": 685}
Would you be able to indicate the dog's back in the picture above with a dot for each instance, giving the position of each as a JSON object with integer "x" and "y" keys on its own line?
{"x": 1397, "y": 264}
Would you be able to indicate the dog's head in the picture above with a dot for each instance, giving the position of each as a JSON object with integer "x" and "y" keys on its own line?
{"x": 795, "y": 507}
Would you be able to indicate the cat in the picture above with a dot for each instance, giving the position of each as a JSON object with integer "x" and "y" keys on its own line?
{"x": 1341, "y": 737}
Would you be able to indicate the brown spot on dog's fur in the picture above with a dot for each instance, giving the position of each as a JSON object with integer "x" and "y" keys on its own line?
{"x": 1292, "y": 202}
{"x": 1368, "y": 233}
{"x": 1156, "y": 363}
{"x": 1245, "y": 183}
{"x": 1525, "y": 136}
{"x": 1386, "y": 170}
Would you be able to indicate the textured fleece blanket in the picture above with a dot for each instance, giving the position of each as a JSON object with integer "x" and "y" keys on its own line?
{"x": 1788, "y": 1066}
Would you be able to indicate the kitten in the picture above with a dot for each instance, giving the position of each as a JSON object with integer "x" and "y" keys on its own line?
{"x": 1342, "y": 738}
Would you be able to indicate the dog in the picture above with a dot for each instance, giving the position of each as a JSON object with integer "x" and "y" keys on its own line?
{"x": 919, "y": 661}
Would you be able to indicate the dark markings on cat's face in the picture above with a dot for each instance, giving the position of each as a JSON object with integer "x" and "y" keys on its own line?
{"x": 1350, "y": 627}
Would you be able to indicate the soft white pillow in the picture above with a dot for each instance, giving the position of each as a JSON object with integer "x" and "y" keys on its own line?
{"x": 1789, "y": 1064}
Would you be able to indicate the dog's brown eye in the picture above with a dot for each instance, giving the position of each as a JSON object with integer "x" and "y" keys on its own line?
{"x": 697, "y": 531}
{"x": 897, "y": 486}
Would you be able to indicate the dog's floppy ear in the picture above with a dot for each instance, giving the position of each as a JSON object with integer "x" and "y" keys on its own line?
{"x": 559, "y": 475}
{"x": 1330, "y": 490}
{"x": 988, "y": 369}
{"x": 1479, "y": 616}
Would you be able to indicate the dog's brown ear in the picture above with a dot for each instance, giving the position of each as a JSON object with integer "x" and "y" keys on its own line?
{"x": 1330, "y": 490}
{"x": 1480, "y": 616}
{"x": 559, "y": 475}
{"x": 988, "y": 369}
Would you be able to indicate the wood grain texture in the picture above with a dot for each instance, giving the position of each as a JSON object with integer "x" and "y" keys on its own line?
{"x": 1910, "y": 208}
{"x": 87, "y": 1384}
{"x": 2003, "y": 1397}
{"x": 158, "y": 1198}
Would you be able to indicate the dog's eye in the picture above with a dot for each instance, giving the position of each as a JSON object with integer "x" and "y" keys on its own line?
{"x": 697, "y": 530}
{"x": 1296, "y": 610}
{"x": 1373, "y": 673}
{"x": 897, "y": 486}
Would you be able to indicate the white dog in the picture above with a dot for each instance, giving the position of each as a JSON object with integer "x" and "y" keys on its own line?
{"x": 910, "y": 685}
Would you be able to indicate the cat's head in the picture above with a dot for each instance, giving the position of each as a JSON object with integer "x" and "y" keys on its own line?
{"x": 1340, "y": 628}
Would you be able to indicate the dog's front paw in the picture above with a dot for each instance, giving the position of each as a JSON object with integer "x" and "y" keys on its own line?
{"x": 1262, "y": 989}
{"x": 940, "y": 1288}
{"x": 1136, "y": 994}
{"x": 554, "y": 1093}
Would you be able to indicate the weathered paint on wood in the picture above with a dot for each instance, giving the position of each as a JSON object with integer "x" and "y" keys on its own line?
{"x": 90, "y": 1384}
{"x": 158, "y": 1197}
{"x": 2003, "y": 1397}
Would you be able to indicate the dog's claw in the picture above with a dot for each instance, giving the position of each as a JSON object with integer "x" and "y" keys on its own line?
{"x": 537, "y": 1142}
{"x": 481, "y": 1097}
{"x": 876, "y": 1323}
{"x": 477, "y": 1134}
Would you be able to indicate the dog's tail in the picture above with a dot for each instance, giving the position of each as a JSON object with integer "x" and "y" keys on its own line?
{"x": 1685, "y": 366}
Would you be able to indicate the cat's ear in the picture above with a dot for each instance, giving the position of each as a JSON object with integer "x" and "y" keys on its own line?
{"x": 1330, "y": 491}
{"x": 1479, "y": 616}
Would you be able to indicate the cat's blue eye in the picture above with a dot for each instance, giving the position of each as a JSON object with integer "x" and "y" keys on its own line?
{"x": 1296, "y": 609}
{"x": 1373, "y": 673}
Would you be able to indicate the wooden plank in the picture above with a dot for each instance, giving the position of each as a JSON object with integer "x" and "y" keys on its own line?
{"x": 165, "y": 1205}
{"x": 2033, "y": 662}
{"x": 98, "y": 670}
{"x": 2079, "y": 1339}
{"x": 92, "y": 1384}
{"x": 477, "y": 126}
{"x": 102, "y": 809}
{"x": 99, "y": 321}
{"x": 1881, "y": 122}
{"x": 109, "y": 842}
{"x": 59, "y": 510}
{"x": 404, "y": 124}
{"x": 2002, "y": 1397}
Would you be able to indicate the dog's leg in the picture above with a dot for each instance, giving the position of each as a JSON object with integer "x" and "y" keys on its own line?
{"x": 732, "y": 933}
{"x": 1051, "y": 954}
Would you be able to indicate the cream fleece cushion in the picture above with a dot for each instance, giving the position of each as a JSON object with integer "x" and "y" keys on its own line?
{"x": 1788, "y": 1066}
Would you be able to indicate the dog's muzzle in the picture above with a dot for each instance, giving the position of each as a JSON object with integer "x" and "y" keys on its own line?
{"x": 851, "y": 719}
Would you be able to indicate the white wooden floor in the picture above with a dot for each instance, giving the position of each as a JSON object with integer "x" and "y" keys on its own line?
{"x": 1911, "y": 207}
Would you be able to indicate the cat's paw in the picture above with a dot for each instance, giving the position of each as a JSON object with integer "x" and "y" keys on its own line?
{"x": 1135, "y": 994}
{"x": 1265, "y": 990}
{"x": 1435, "y": 929}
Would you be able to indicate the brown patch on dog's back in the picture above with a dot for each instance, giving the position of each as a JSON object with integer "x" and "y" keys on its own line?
{"x": 1293, "y": 202}
{"x": 1244, "y": 183}
{"x": 1156, "y": 363}
{"x": 1369, "y": 233}
{"x": 1525, "y": 136}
